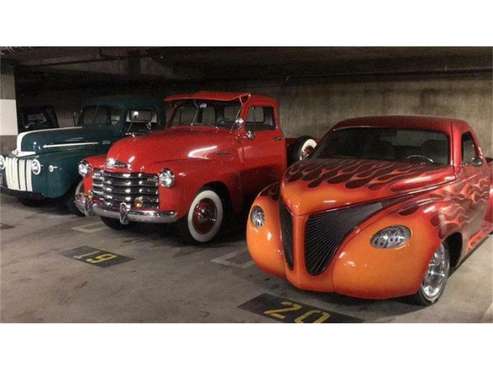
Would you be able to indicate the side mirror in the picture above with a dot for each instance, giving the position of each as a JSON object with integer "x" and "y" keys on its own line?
{"x": 75, "y": 118}
{"x": 250, "y": 135}
{"x": 477, "y": 162}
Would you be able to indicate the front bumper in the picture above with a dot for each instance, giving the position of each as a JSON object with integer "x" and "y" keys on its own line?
{"x": 21, "y": 194}
{"x": 85, "y": 204}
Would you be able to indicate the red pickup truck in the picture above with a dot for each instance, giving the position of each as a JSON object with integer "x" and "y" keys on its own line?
{"x": 218, "y": 151}
{"x": 384, "y": 207}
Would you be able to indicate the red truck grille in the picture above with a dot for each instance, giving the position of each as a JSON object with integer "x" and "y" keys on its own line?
{"x": 112, "y": 189}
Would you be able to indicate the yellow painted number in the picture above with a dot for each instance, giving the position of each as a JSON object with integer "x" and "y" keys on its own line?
{"x": 277, "y": 312}
{"x": 101, "y": 258}
{"x": 323, "y": 316}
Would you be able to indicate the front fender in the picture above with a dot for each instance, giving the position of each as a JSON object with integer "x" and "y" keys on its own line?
{"x": 190, "y": 176}
{"x": 64, "y": 175}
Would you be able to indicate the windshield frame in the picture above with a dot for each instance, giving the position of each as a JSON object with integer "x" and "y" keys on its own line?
{"x": 449, "y": 161}
{"x": 108, "y": 124}
{"x": 176, "y": 104}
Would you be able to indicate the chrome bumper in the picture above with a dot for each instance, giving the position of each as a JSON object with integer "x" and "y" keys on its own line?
{"x": 125, "y": 215}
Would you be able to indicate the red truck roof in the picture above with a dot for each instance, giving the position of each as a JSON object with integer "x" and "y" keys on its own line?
{"x": 418, "y": 122}
{"x": 223, "y": 96}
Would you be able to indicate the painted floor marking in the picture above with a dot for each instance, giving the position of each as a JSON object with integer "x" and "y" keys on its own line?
{"x": 289, "y": 311}
{"x": 90, "y": 228}
{"x": 238, "y": 259}
{"x": 94, "y": 256}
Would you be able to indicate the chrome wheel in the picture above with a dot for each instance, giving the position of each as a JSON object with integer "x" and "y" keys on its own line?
{"x": 436, "y": 276}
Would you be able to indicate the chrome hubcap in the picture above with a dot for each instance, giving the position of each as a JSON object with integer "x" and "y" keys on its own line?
{"x": 204, "y": 216}
{"x": 436, "y": 275}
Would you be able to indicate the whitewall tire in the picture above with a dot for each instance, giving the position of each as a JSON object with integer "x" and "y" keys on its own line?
{"x": 204, "y": 218}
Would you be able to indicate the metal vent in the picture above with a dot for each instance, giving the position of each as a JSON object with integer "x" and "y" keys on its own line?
{"x": 324, "y": 233}
{"x": 286, "y": 233}
{"x": 116, "y": 188}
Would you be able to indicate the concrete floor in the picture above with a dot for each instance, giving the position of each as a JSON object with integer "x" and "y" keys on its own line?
{"x": 170, "y": 282}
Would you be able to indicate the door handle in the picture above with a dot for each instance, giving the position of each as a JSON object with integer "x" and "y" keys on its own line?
{"x": 277, "y": 138}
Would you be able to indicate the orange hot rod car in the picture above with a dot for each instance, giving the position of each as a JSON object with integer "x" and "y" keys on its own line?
{"x": 384, "y": 207}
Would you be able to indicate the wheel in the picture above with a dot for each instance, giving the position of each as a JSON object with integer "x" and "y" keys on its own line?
{"x": 435, "y": 278}
{"x": 301, "y": 148}
{"x": 204, "y": 218}
{"x": 69, "y": 198}
{"x": 115, "y": 224}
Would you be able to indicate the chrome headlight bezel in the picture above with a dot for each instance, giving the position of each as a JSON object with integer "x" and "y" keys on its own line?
{"x": 391, "y": 237}
{"x": 84, "y": 168}
{"x": 35, "y": 167}
{"x": 2, "y": 162}
{"x": 257, "y": 216}
{"x": 166, "y": 178}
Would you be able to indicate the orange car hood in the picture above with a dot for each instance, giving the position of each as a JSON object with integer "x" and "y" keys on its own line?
{"x": 321, "y": 184}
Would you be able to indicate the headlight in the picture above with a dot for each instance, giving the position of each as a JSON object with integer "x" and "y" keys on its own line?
{"x": 84, "y": 168}
{"x": 391, "y": 237}
{"x": 35, "y": 167}
{"x": 257, "y": 216}
{"x": 2, "y": 163}
{"x": 167, "y": 178}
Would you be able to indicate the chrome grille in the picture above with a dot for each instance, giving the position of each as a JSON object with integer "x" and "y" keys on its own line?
{"x": 114, "y": 188}
{"x": 18, "y": 174}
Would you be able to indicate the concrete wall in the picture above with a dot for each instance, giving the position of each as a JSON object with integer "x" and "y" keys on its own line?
{"x": 8, "y": 111}
{"x": 312, "y": 108}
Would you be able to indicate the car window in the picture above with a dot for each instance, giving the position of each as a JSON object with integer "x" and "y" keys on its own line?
{"x": 388, "y": 144}
{"x": 260, "y": 118}
{"x": 469, "y": 150}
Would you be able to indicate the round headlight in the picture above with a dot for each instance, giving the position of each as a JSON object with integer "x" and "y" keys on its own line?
{"x": 167, "y": 178}
{"x": 84, "y": 168}
{"x": 257, "y": 216}
{"x": 391, "y": 237}
{"x": 2, "y": 163}
{"x": 35, "y": 167}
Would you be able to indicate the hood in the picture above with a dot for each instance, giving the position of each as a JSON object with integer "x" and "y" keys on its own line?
{"x": 322, "y": 184}
{"x": 141, "y": 152}
{"x": 35, "y": 142}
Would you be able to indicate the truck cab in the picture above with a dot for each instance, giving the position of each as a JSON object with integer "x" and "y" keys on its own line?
{"x": 218, "y": 151}
{"x": 44, "y": 163}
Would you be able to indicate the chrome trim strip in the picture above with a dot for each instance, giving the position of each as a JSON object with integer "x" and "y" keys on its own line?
{"x": 70, "y": 144}
{"x": 22, "y": 175}
{"x": 148, "y": 216}
{"x": 29, "y": 175}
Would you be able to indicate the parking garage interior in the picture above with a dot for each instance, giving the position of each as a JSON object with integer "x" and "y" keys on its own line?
{"x": 161, "y": 279}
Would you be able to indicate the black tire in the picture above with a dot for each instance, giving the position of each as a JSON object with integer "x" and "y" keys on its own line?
{"x": 187, "y": 230}
{"x": 69, "y": 198}
{"x": 297, "y": 149}
{"x": 32, "y": 202}
{"x": 115, "y": 224}
{"x": 421, "y": 298}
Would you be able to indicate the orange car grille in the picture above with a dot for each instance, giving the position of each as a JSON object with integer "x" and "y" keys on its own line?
{"x": 286, "y": 233}
{"x": 324, "y": 233}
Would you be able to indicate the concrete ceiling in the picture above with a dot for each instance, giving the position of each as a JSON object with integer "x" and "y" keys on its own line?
{"x": 75, "y": 67}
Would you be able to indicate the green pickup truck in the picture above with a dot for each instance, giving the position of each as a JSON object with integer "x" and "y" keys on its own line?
{"x": 44, "y": 163}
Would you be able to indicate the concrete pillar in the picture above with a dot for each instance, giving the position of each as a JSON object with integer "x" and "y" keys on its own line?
{"x": 8, "y": 110}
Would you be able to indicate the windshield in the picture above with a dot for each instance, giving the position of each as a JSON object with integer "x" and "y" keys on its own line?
{"x": 385, "y": 144}
{"x": 204, "y": 112}
{"x": 38, "y": 120}
{"x": 99, "y": 115}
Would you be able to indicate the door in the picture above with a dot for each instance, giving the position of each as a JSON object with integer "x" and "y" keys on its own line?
{"x": 475, "y": 174}
{"x": 264, "y": 149}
